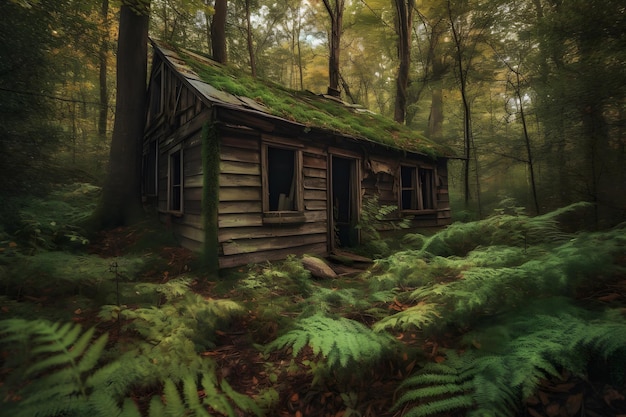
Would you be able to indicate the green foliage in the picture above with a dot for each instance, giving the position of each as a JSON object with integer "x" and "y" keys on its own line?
{"x": 53, "y": 222}
{"x": 375, "y": 218}
{"x": 57, "y": 273}
{"x": 557, "y": 270}
{"x": 174, "y": 331}
{"x": 343, "y": 343}
{"x": 501, "y": 229}
{"x": 415, "y": 317}
{"x": 284, "y": 278}
{"x": 57, "y": 360}
{"x": 509, "y": 357}
{"x": 347, "y": 301}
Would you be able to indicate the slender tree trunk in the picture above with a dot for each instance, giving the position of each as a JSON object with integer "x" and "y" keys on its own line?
{"x": 467, "y": 131}
{"x": 404, "y": 23}
{"x": 335, "y": 12}
{"x": 249, "y": 40}
{"x": 218, "y": 31}
{"x": 121, "y": 193}
{"x": 103, "y": 63}
{"x": 529, "y": 153}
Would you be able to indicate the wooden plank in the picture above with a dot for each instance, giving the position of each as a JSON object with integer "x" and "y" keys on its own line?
{"x": 271, "y": 231}
{"x": 314, "y": 172}
{"x": 192, "y": 193}
{"x": 272, "y": 243}
{"x": 315, "y": 195}
{"x": 243, "y": 168}
{"x": 315, "y": 205}
{"x": 316, "y": 216}
{"x": 240, "y": 220}
{"x": 190, "y": 167}
{"x": 193, "y": 181}
{"x": 237, "y": 180}
{"x": 188, "y": 231}
{"x": 242, "y": 141}
{"x": 240, "y": 194}
{"x": 193, "y": 207}
{"x": 230, "y": 207}
{"x": 310, "y": 161}
{"x": 239, "y": 155}
{"x": 315, "y": 183}
{"x": 244, "y": 259}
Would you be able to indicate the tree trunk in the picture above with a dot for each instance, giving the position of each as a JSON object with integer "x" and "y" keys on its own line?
{"x": 335, "y": 12}
{"x": 467, "y": 131}
{"x": 404, "y": 23}
{"x": 218, "y": 31}
{"x": 103, "y": 63}
{"x": 249, "y": 40}
{"x": 121, "y": 194}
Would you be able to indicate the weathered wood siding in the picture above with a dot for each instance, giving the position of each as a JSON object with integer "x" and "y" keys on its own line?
{"x": 243, "y": 236}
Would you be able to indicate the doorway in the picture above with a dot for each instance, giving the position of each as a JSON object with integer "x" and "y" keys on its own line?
{"x": 344, "y": 202}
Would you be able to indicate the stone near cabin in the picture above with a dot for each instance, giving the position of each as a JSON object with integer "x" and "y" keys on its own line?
{"x": 318, "y": 267}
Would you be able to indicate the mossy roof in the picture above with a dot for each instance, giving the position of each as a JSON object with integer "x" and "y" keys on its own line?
{"x": 226, "y": 85}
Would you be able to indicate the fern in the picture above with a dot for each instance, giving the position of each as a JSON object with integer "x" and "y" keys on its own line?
{"x": 197, "y": 392}
{"x": 415, "y": 317}
{"x": 57, "y": 358}
{"x": 510, "y": 357}
{"x": 501, "y": 229}
{"x": 343, "y": 343}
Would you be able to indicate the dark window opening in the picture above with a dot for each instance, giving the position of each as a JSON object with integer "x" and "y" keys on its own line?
{"x": 408, "y": 187}
{"x": 176, "y": 181}
{"x": 427, "y": 186}
{"x": 281, "y": 179}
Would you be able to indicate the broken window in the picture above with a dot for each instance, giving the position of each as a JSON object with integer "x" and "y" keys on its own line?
{"x": 282, "y": 185}
{"x": 427, "y": 188}
{"x": 417, "y": 187}
{"x": 281, "y": 179}
{"x": 175, "y": 181}
{"x": 409, "y": 188}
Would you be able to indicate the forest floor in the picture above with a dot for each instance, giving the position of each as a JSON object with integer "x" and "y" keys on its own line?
{"x": 251, "y": 371}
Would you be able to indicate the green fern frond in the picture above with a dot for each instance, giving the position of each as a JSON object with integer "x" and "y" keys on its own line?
{"x": 342, "y": 342}
{"x": 60, "y": 356}
{"x": 415, "y": 317}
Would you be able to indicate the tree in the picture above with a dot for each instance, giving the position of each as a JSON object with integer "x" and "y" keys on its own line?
{"x": 218, "y": 31}
{"x": 121, "y": 194}
{"x": 335, "y": 10}
{"x": 404, "y": 25}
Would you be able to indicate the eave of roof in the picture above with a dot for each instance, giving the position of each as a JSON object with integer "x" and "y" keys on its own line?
{"x": 222, "y": 85}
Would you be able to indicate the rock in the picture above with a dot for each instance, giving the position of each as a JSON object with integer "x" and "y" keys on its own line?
{"x": 318, "y": 267}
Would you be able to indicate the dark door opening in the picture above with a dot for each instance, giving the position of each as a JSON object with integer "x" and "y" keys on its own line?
{"x": 344, "y": 202}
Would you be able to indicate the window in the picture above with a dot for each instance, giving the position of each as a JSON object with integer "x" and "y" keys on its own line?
{"x": 409, "y": 188}
{"x": 417, "y": 188}
{"x": 282, "y": 182}
{"x": 175, "y": 181}
{"x": 427, "y": 188}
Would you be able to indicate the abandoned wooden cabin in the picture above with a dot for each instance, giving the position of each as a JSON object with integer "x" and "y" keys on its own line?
{"x": 253, "y": 171}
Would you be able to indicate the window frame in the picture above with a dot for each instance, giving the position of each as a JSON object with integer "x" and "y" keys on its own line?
{"x": 419, "y": 174}
{"x": 295, "y": 216}
{"x": 171, "y": 188}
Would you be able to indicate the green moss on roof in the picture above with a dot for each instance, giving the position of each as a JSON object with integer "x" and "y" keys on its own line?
{"x": 312, "y": 110}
